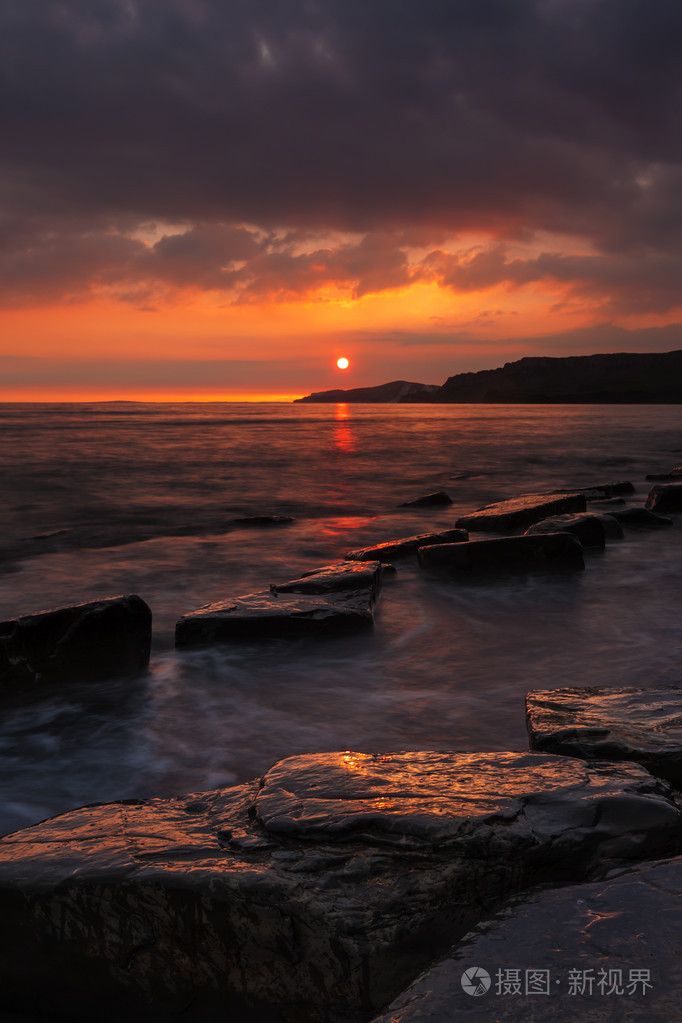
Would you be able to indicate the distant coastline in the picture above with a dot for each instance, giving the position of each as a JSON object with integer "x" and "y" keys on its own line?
{"x": 618, "y": 378}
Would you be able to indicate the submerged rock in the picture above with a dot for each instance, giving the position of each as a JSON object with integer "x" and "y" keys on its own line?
{"x": 665, "y": 497}
{"x": 314, "y": 895}
{"x": 589, "y": 953}
{"x": 88, "y": 642}
{"x": 406, "y": 545}
{"x": 599, "y": 723}
{"x": 642, "y": 518}
{"x": 428, "y": 500}
{"x": 588, "y": 528}
{"x": 271, "y": 615}
{"x": 261, "y": 520}
{"x": 339, "y": 577}
{"x": 674, "y": 474}
{"x": 521, "y": 511}
{"x": 553, "y": 552}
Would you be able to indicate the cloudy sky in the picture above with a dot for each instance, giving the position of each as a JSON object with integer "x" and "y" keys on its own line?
{"x": 213, "y": 198}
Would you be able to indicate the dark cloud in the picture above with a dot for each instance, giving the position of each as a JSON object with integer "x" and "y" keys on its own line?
{"x": 393, "y": 119}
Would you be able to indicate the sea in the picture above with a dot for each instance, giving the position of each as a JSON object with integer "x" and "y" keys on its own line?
{"x": 104, "y": 499}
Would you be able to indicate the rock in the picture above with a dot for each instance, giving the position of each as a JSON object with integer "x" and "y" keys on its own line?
{"x": 428, "y": 500}
{"x": 665, "y": 497}
{"x": 552, "y": 552}
{"x": 642, "y": 518}
{"x": 588, "y": 528}
{"x": 674, "y": 474}
{"x": 313, "y": 896}
{"x": 406, "y": 545}
{"x": 598, "y": 723}
{"x": 601, "y": 491}
{"x": 89, "y": 642}
{"x": 269, "y": 615}
{"x": 605, "y": 951}
{"x": 521, "y": 511}
{"x": 610, "y": 524}
{"x": 261, "y": 520}
{"x": 341, "y": 576}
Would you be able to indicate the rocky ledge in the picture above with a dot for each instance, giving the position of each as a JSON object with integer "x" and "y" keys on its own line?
{"x": 522, "y": 511}
{"x": 589, "y": 953}
{"x": 313, "y": 895}
{"x": 638, "y": 724}
{"x": 545, "y": 552}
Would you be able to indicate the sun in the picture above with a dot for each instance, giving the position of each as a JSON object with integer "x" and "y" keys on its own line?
{"x": 342, "y": 363}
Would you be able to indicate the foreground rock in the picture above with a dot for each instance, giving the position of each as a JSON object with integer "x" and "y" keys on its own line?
{"x": 640, "y": 724}
{"x": 428, "y": 500}
{"x": 271, "y": 615}
{"x": 587, "y": 528}
{"x": 89, "y": 642}
{"x": 590, "y": 953}
{"x": 522, "y": 511}
{"x": 406, "y": 545}
{"x": 312, "y": 896}
{"x": 665, "y": 497}
{"x": 602, "y": 491}
{"x": 548, "y": 552}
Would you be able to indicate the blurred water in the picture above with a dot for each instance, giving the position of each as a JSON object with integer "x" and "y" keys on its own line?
{"x": 135, "y": 497}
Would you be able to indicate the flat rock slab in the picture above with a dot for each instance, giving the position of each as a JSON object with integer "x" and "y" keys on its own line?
{"x": 605, "y": 952}
{"x": 406, "y": 545}
{"x": 665, "y": 497}
{"x": 588, "y": 528}
{"x": 643, "y": 724}
{"x": 641, "y": 518}
{"x": 521, "y": 511}
{"x": 313, "y": 895}
{"x": 428, "y": 500}
{"x": 338, "y": 577}
{"x": 273, "y": 615}
{"x": 546, "y": 552}
{"x": 89, "y": 642}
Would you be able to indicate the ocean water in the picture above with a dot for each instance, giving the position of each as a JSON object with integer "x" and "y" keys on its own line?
{"x": 134, "y": 498}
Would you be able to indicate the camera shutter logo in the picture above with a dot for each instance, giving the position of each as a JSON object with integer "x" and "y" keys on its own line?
{"x": 476, "y": 981}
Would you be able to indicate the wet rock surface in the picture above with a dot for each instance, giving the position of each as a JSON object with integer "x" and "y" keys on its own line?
{"x": 604, "y": 952}
{"x": 89, "y": 642}
{"x": 640, "y": 724}
{"x": 340, "y": 576}
{"x": 611, "y": 526}
{"x": 428, "y": 500}
{"x": 588, "y": 528}
{"x": 274, "y": 615}
{"x": 406, "y": 545}
{"x": 665, "y": 497}
{"x": 314, "y": 895}
{"x": 522, "y": 511}
{"x": 546, "y": 552}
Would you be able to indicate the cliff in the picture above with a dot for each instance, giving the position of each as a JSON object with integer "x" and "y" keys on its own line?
{"x": 621, "y": 377}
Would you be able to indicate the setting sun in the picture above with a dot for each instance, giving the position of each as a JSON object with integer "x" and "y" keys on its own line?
{"x": 342, "y": 363}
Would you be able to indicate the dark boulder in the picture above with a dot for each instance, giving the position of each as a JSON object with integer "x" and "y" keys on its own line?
{"x": 599, "y": 723}
{"x": 553, "y": 552}
{"x": 588, "y": 528}
{"x": 314, "y": 895}
{"x": 428, "y": 500}
{"x": 641, "y": 518}
{"x": 89, "y": 642}
{"x": 665, "y": 497}
{"x": 521, "y": 511}
{"x": 611, "y": 526}
{"x": 674, "y": 474}
{"x": 406, "y": 545}
{"x": 589, "y": 953}
{"x": 271, "y": 615}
